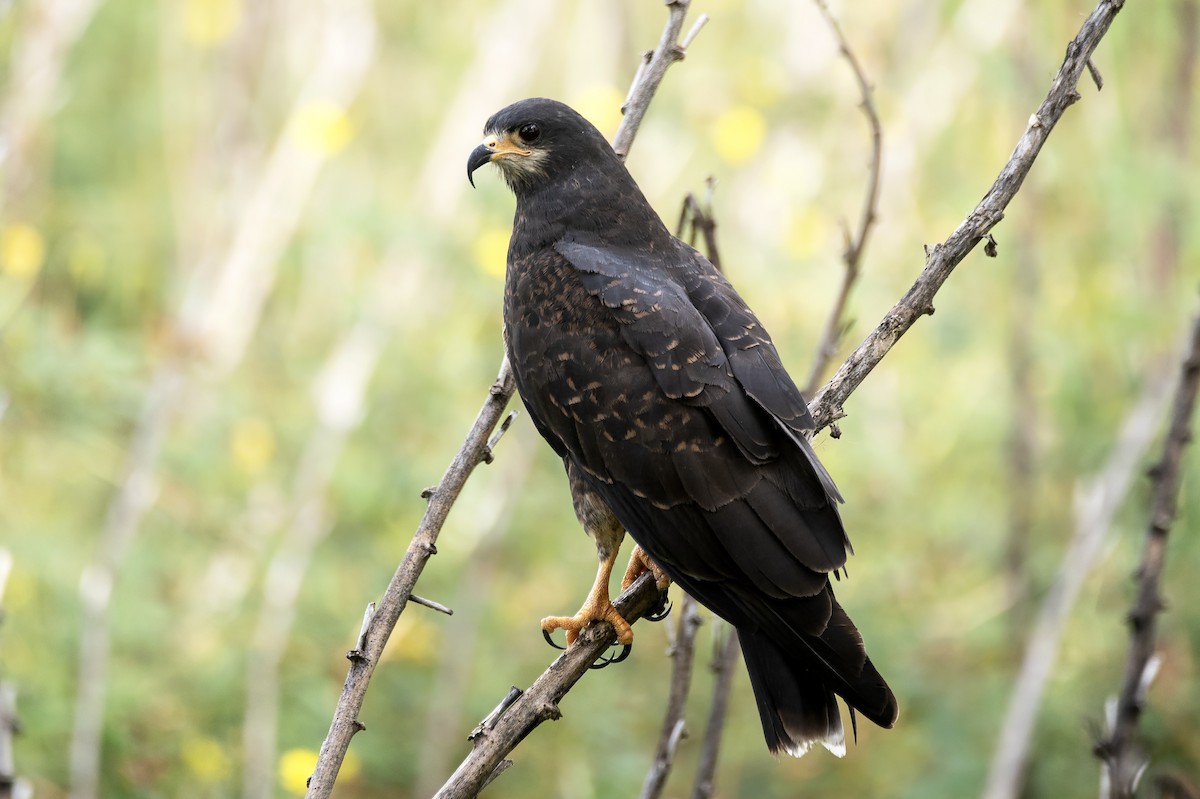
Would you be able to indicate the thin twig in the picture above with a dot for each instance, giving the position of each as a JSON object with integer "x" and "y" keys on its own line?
{"x": 835, "y": 325}
{"x": 1123, "y": 761}
{"x": 705, "y": 222}
{"x": 429, "y": 603}
{"x": 1095, "y": 505}
{"x": 701, "y": 221}
{"x": 827, "y": 405}
{"x": 723, "y": 667}
{"x": 682, "y": 656}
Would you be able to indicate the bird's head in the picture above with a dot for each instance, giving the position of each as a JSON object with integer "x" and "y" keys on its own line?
{"x": 537, "y": 141}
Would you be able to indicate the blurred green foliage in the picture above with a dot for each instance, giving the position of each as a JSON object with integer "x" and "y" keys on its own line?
{"x": 156, "y": 135}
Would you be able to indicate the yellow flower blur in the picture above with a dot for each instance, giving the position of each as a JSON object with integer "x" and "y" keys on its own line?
{"x": 210, "y": 22}
{"x": 601, "y": 105}
{"x": 22, "y": 251}
{"x": 739, "y": 133}
{"x": 252, "y": 444}
{"x": 321, "y": 127}
{"x": 491, "y": 252}
{"x": 205, "y": 758}
{"x": 296, "y": 766}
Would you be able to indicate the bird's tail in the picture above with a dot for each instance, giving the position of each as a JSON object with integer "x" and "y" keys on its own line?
{"x": 795, "y": 682}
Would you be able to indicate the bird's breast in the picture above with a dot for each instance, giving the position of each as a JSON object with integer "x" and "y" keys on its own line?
{"x": 579, "y": 378}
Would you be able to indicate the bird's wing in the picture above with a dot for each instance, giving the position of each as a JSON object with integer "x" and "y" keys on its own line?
{"x": 770, "y": 502}
{"x": 705, "y": 345}
{"x": 667, "y": 394}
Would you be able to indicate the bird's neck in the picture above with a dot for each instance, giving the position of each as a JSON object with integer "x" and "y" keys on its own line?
{"x": 607, "y": 209}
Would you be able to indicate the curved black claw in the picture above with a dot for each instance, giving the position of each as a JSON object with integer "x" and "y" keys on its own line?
{"x": 550, "y": 641}
{"x": 661, "y": 609}
{"x": 603, "y": 661}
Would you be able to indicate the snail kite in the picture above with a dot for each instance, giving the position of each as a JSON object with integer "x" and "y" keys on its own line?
{"x": 659, "y": 388}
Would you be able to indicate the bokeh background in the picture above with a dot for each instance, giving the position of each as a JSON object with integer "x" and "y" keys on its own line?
{"x": 249, "y": 307}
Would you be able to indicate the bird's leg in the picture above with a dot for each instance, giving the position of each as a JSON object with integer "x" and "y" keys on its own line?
{"x": 597, "y": 607}
{"x": 639, "y": 564}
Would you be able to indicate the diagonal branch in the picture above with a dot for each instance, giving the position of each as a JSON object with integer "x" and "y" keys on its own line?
{"x": 835, "y": 326}
{"x": 827, "y": 405}
{"x": 497, "y": 736}
{"x": 500, "y": 733}
{"x": 650, "y": 74}
{"x": 1123, "y": 762}
{"x": 365, "y": 656}
{"x": 476, "y": 449}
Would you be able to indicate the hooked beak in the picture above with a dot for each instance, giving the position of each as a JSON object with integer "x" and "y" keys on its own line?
{"x": 493, "y": 147}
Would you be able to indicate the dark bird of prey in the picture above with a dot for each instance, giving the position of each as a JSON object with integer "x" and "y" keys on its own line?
{"x": 659, "y": 388}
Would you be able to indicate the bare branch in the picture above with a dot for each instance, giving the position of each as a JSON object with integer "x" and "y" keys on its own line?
{"x": 702, "y": 222}
{"x": 682, "y": 653}
{"x": 827, "y": 405}
{"x": 498, "y": 735}
{"x": 1123, "y": 761}
{"x": 723, "y": 665}
{"x": 1095, "y": 505}
{"x": 476, "y": 449}
{"x": 429, "y": 603}
{"x": 366, "y": 656}
{"x": 835, "y": 325}
{"x": 650, "y": 74}
{"x": 441, "y": 732}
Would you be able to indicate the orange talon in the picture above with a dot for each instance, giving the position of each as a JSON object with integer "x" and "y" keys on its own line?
{"x": 597, "y": 607}
{"x": 639, "y": 564}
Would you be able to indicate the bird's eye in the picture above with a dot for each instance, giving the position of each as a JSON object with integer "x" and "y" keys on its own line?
{"x": 529, "y": 132}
